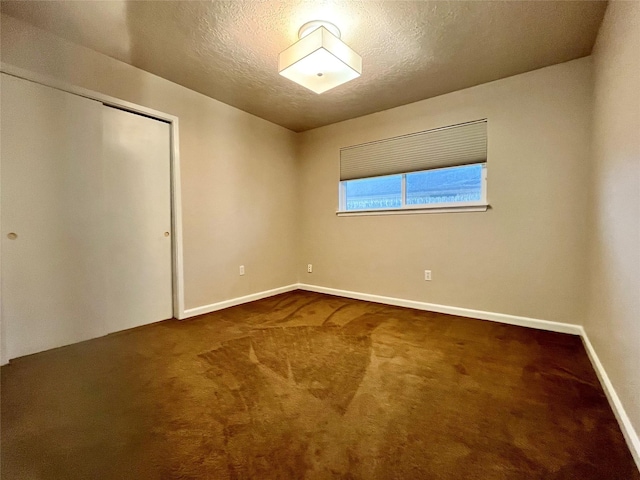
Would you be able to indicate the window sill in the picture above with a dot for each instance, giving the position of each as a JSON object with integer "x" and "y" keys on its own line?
{"x": 481, "y": 207}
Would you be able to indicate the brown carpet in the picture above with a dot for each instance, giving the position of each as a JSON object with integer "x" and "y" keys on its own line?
{"x": 309, "y": 386}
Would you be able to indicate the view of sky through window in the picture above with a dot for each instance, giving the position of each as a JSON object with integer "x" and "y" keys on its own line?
{"x": 444, "y": 185}
{"x": 372, "y": 193}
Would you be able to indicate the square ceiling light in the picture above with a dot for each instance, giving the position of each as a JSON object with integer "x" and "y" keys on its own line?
{"x": 319, "y": 61}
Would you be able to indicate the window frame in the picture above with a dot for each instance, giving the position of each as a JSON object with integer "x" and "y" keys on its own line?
{"x": 449, "y": 207}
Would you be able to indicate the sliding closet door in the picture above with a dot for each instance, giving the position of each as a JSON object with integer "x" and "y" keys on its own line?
{"x": 137, "y": 185}
{"x": 51, "y": 217}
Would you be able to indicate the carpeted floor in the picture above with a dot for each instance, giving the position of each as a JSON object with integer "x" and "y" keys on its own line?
{"x": 309, "y": 386}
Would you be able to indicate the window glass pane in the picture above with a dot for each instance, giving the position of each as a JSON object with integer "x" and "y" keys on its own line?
{"x": 372, "y": 193}
{"x": 445, "y": 185}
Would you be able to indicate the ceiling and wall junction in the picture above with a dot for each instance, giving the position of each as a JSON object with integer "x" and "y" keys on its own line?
{"x": 411, "y": 50}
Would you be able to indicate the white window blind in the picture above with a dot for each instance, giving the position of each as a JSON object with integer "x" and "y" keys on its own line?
{"x": 451, "y": 146}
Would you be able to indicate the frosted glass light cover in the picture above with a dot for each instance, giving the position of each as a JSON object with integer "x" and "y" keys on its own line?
{"x": 320, "y": 61}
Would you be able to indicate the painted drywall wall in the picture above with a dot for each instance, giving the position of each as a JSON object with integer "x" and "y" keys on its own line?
{"x": 238, "y": 171}
{"x": 525, "y": 256}
{"x": 613, "y": 320}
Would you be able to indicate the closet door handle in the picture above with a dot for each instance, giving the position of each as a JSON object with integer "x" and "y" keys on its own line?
{"x": 166, "y": 234}
{"x": 12, "y": 236}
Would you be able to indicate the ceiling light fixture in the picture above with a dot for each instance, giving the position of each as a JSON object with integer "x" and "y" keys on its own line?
{"x": 319, "y": 61}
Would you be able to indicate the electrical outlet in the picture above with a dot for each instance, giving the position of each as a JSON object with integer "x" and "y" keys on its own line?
{"x": 241, "y": 269}
{"x": 427, "y": 275}
{"x": 309, "y": 268}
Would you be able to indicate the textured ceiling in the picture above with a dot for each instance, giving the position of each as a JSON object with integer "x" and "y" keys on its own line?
{"x": 411, "y": 50}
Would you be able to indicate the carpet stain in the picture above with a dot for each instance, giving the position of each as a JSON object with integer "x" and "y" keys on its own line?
{"x": 315, "y": 387}
{"x": 461, "y": 369}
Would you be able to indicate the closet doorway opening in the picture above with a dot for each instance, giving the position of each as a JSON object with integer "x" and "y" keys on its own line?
{"x": 91, "y": 224}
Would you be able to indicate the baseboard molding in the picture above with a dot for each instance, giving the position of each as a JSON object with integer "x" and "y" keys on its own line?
{"x": 192, "y": 312}
{"x": 461, "y": 312}
{"x": 630, "y": 434}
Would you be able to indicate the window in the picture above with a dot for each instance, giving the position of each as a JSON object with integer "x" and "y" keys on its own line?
{"x": 440, "y": 169}
{"x": 373, "y": 193}
{"x": 443, "y": 187}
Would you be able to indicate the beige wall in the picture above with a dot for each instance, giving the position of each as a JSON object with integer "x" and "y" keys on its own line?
{"x": 525, "y": 256}
{"x": 613, "y": 321}
{"x": 238, "y": 171}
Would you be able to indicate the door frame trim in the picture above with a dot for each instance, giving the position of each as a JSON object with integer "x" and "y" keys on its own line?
{"x": 177, "y": 270}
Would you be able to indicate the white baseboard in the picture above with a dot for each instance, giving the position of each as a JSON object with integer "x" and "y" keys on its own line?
{"x": 630, "y": 434}
{"x": 461, "y": 312}
{"x": 192, "y": 312}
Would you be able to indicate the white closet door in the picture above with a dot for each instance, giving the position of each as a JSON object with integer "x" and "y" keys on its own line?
{"x": 50, "y": 194}
{"x": 137, "y": 176}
